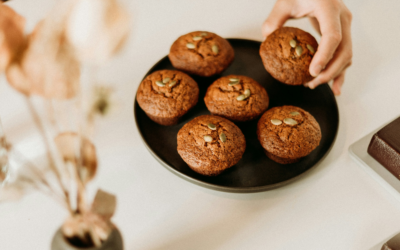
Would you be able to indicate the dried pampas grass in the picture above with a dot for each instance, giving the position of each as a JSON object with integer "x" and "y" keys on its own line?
{"x": 48, "y": 63}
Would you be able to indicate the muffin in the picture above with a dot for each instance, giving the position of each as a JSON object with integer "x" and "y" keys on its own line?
{"x": 210, "y": 144}
{"x": 287, "y": 54}
{"x": 288, "y": 133}
{"x": 237, "y": 98}
{"x": 166, "y": 95}
{"x": 201, "y": 53}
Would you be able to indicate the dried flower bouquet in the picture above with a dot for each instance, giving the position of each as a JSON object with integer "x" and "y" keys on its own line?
{"x": 47, "y": 64}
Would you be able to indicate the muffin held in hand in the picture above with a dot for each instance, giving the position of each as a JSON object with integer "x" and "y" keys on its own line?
{"x": 166, "y": 95}
{"x": 210, "y": 144}
{"x": 287, "y": 54}
{"x": 288, "y": 133}
{"x": 237, "y": 98}
{"x": 201, "y": 53}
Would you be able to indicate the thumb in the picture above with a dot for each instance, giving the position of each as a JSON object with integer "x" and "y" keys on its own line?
{"x": 277, "y": 18}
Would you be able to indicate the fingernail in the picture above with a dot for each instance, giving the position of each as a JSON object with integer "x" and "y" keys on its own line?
{"x": 316, "y": 71}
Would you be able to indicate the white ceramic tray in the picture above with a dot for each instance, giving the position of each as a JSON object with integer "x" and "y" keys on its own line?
{"x": 358, "y": 151}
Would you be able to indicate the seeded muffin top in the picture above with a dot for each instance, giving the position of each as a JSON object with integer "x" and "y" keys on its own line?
{"x": 288, "y": 132}
{"x": 167, "y": 93}
{"x": 210, "y": 144}
{"x": 201, "y": 53}
{"x": 287, "y": 54}
{"x": 238, "y": 98}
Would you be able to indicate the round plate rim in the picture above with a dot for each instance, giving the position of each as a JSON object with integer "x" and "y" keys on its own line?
{"x": 225, "y": 188}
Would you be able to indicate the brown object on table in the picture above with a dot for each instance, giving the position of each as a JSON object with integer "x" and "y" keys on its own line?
{"x": 288, "y": 133}
{"x": 210, "y": 144}
{"x": 201, "y": 53}
{"x": 385, "y": 147}
{"x": 166, "y": 95}
{"x": 287, "y": 54}
{"x": 392, "y": 244}
{"x": 237, "y": 98}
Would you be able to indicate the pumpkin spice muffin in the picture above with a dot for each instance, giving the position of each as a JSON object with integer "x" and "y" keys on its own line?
{"x": 166, "y": 95}
{"x": 288, "y": 133}
{"x": 287, "y": 54}
{"x": 201, "y": 53}
{"x": 237, "y": 98}
{"x": 210, "y": 144}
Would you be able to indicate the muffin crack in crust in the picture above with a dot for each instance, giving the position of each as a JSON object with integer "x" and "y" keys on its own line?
{"x": 287, "y": 54}
{"x": 167, "y": 94}
{"x": 288, "y": 132}
{"x": 285, "y": 132}
{"x": 195, "y": 51}
{"x": 201, "y": 43}
{"x": 240, "y": 91}
{"x": 291, "y": 56}
{"x": 222, "y": 98}
{"x": 201, "y": 53}
{"x": 211, "y": 156}
{"x": 214, "y": 134}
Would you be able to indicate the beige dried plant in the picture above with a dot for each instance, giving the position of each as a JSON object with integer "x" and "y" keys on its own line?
{"x": 97, "y": 29}
{"x": 46, "y": 66}
{"x": 12, "y": 38}
{"x": 47, "y": 63}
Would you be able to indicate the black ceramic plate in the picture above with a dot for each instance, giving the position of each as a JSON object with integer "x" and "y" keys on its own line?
{"x": 254, "y": 172}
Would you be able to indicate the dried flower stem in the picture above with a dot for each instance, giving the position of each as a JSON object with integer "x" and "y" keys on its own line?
{"x": 81, "y": 198}
{"x": 34, "y": 169}
{"x": 84, "y": 127}
{"x": 46, "y": 191}
{"x": 52, "y": 115}
{"x": 39, "y": 174}
{"x": 88, "y": 119}
{"x": 52, "y": 165}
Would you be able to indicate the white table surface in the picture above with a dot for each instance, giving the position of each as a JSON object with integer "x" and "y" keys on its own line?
{"x": 336, "y": 206}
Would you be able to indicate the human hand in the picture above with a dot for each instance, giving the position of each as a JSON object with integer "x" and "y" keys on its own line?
{"x": 332, "y": 19}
